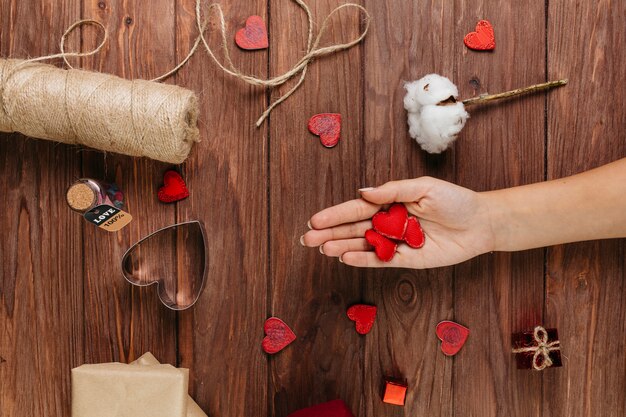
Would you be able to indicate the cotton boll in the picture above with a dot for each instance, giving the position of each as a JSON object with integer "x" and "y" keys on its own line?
{"x": 430, "y": 89}
{"x": 437, "y": 126}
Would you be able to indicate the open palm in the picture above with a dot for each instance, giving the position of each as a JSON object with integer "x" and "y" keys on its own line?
{"x": 455, "y": 221}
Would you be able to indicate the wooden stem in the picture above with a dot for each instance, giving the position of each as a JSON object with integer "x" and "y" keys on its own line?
{"x": 514, "y": 93}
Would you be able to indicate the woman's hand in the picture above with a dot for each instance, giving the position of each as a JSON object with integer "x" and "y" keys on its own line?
{"x": 455, "y": 220}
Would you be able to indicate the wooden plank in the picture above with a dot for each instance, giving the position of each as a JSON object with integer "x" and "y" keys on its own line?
{"x": 41, "y": 290}
{"x": 411, "y": 303}
{"x": 586, "y": 293}
{"x": 501, "y": 146}
{"x": 122, "y": 322}
{"x": 219, "y": 339}
{"x": 308, "y": 291}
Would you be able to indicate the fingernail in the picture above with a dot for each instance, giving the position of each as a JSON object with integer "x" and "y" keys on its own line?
{"x": 341, "y": 259}
{"x": 302, "y": 240}
{"x": 308, "y": 224}
{"x": 365, "y": 189}
{"x": 322, "y": 249}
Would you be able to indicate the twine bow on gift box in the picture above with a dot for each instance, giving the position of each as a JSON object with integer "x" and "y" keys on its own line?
{"x": 541, "y": 350}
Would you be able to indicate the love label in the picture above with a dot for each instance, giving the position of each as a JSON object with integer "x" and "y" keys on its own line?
{"x": 108, "y": 217}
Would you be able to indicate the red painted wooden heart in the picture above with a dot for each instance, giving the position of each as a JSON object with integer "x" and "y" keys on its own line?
{"x": 414, "y": 235}
{"x": 253, "y": 36}
{"x": 364, "y": 316}
{"x": 278, "y": 335}
{"x": 483, "y": 39}
{"x": 385, "y": 248}
{"x": 174, "y": 188}
{"x": 452, "y": 336}
{"x": 392, "y": 223}
{"x": 327, "y": 126}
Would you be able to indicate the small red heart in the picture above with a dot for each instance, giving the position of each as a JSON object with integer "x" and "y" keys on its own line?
{"x": 253, "y": 36}
{"x": 327, "y": 126}
{"x": 363, "y": 315}
{"x": 414, "y": 235}
{"x": 452, "y": 336}
{"x": 483, "y": 39}
{"x": 174, "y": 188}
{"x": 278, "y": 335}
{"x": 385, "y": 248}
{"x": 392, "y": 223}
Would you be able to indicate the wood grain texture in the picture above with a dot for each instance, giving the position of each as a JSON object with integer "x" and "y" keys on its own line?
{"x": 121, "y": 321}
{"x": 64, "y": 302}
{"x": 411, "y": 303}
{"x": 308, "y": 291}
{"x": 220, "y": 339}
{"x": 41, "y": 289}
{"x": 585, "y": 285}
{"x": 501, "y": 146}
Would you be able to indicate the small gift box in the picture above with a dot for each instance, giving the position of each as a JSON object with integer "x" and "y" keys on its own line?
{"x": 537, "y": 349}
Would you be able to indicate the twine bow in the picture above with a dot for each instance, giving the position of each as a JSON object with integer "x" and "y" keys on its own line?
{"x": 541, "y": 350}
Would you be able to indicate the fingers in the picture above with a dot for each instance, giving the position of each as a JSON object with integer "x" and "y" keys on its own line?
{"x": 404, "y": 258}
{"x": 346, "y": 231}
{"x": 339, "y": 247}
{"x": 348, "y": 212}
{"x": 403, "y": 191}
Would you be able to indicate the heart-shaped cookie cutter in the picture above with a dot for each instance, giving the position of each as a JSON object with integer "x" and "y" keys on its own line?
{"x": 177, "y": 285}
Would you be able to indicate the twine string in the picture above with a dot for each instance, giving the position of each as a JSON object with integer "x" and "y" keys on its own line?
{"x": 541, "y": 350}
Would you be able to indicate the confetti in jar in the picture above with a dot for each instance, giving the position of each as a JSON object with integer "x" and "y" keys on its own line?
{"x": 87, "y": 193}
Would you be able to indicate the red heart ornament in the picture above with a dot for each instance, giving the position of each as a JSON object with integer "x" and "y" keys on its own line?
{"x": 414, "y": 235}
{"x": 253, "y": 36}
{"x": 364, "y": 316}
{"x": 483, "y": 39}
{"x": 174, "y": 188}
{"x": 278, "y": 335}
{"x": 385, "y": 248}
{"x": 327, "y": 126}
{"x": 452, "y": 336}
{"x": 392, "y": 223}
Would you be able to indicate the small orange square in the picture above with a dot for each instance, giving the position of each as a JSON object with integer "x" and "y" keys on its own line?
{"x": 394, "y": 393}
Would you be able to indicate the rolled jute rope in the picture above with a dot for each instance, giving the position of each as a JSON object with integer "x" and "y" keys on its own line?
{"x": 101, "y": 111}
{"x": 541, "y": 350}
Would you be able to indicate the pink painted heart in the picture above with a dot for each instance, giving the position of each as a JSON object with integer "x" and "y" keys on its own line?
{"x": 392, "y": 223}
{"x": 278, "y": 335}
{"x": 483, "y": 39}
{"x": 327, "y": 126}
{"x": 452, "y": 336}
{"x": 253, "y": 36}
{"x": 364, "y": 316}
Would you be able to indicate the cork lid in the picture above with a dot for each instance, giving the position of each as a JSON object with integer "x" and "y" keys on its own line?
{"x": 80, "y": 196}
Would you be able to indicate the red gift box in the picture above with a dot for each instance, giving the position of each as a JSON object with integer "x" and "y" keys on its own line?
{"x": 537, "y": 349}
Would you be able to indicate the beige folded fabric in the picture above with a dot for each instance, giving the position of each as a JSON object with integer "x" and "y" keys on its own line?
{"x": 120, "y": 390}
{"x": 193, "y": 409}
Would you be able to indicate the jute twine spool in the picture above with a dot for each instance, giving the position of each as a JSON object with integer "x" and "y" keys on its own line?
{"x": 541, "y": 350}
{"x": 101, "y": 111}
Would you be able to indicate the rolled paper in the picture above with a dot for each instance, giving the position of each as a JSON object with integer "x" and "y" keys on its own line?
{"x": 193, "y": 409}
{"x": 121, "y": 390}
{"x": 101, "y": 111}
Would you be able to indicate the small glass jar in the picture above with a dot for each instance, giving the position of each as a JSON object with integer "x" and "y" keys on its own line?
{"x": 86, "y": 193}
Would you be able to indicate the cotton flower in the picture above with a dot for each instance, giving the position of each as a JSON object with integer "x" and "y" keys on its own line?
{"x": 435, "y": 116}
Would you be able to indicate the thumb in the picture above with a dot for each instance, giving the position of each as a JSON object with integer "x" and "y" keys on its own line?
{"x": 403, "y": 191}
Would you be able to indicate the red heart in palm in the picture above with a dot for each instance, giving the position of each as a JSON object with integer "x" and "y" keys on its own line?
{"x": 414, "y": 235}
{"x": 278, "y": 335}
{"x": 392, "y": 223}
{"x": 174, "y": 188}
{"x": 363, "y": 315}
{"x": 253, "y": 36}
{"x": 452, "y": 336}
{"x": 385, "y": 248}
{"x": 327, "y": 126}
{"x": 483, "y": 39}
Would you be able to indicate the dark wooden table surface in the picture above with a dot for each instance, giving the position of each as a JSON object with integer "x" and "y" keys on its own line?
{"x": 63, "y": 301}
